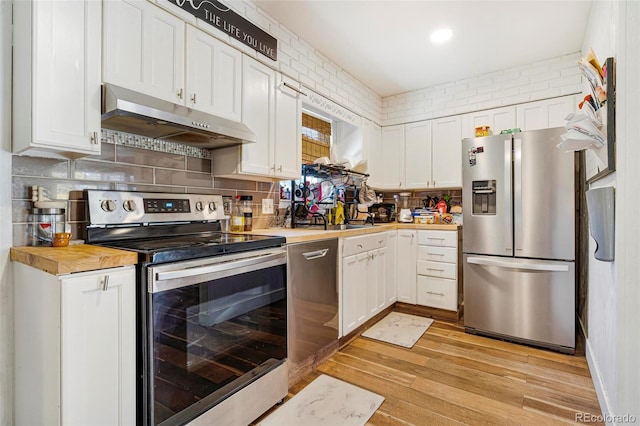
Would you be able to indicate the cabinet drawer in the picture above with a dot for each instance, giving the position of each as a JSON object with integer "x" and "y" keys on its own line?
{"x": 362, "y": 243}
{"x": 438, "y": 254}
{"x": 438, "y": 238}
{"x": 438, "y": 293}
{"x": 438, "y": 269}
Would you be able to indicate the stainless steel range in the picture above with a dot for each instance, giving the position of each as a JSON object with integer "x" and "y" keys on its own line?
{"x": 212, "y": 307}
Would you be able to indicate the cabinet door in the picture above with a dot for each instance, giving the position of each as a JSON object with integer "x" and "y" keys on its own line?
{"x": 287, "y": 145}
{"x": 391, "y": 157}
{"x": 447, "y": 152}
{"x": 497, "y": 119}
{"x": 258, "y": 112}
{"x": 98, "y": 348}
{"x": 143, "y": 49}
{"x": 372, "y": 152}
{"x": 406, "y": 266}
{"x": 391, "y": 272}
{"x": 214, "y": 75}
{"x": 545, "y": 114}
{"x": 380, "y": 270}
{"x": 354, "y": 301}
{"x": 417, "y": 155}
{"x": 56, "y": 77}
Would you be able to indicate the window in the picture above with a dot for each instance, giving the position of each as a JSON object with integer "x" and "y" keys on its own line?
{"x": 316, "y": 138}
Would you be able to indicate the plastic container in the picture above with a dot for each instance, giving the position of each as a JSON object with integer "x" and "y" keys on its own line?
{"x": 45, "y": 224}
{"x": 246, "y": 204}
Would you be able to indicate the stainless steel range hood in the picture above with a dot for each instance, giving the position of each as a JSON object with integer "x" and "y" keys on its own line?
{"x": 133, "y": 112}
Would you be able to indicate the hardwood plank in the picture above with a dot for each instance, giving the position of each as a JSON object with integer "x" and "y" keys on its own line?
{"x": 537, "y": 405}
{"x": 382, "y": 371}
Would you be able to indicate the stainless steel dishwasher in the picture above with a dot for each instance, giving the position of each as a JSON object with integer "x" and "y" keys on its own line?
{"x": 313, "y": 297}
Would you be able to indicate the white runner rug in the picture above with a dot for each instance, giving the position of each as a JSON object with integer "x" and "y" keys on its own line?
{"x": 326, "y": 402}
{"x": 399, "y": 329}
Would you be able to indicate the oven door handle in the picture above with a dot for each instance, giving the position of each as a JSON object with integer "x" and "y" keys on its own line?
{"x": 169, "y": 280}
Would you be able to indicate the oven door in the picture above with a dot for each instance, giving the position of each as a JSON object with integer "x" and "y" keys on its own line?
{"x": 214, "y": 326}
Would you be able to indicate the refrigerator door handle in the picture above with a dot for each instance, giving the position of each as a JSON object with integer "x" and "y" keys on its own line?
{"x": 508, "y": 236}
{"x": 517, "y": 194}
{"x": 547, "y": 267}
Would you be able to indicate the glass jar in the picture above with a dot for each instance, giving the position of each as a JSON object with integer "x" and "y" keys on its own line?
{"x": 246, "y": 201}
{"x": 237, "y": 216}
{"x": 45, "y": 224}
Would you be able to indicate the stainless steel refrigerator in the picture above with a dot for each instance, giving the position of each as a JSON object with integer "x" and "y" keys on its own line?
{"x": 518, "y": 240}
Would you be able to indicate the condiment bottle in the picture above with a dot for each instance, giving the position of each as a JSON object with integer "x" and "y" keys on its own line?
{"x": 247, "y": 211}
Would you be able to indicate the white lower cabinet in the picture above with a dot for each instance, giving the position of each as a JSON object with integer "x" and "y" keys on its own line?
{"x": 364, "y": 263}
{"x": 437, "y": 269}
{"x": 75, "y": 347}
{"x": 406, "y": 264}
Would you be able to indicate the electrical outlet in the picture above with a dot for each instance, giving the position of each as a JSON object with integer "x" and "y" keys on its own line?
{"x": 267, "y": 206}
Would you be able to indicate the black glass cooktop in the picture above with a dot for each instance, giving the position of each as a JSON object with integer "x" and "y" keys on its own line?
{"x": 192, "y": 246}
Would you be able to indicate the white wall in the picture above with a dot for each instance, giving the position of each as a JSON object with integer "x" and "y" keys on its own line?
{"x": 613, "y": 341}
{"x": 627, "y": 206}
{"x": 6, "y": 286}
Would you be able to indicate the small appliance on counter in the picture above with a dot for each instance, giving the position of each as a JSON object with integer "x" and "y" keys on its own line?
{"x": 404, "y": 214}
{"x": 383, "y": 212}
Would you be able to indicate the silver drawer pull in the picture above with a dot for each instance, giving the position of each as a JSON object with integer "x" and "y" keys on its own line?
{"x": 437, "y": 294}
{"x": 105, "y": 283}
{"x": 435, "y": 269}
{"x": 435, "y": 254}
{"x": 435, "y": 238}
{"x": 360, "y": 245}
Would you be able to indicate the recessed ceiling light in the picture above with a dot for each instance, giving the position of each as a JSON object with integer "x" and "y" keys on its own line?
{"x": 441, "y": 35}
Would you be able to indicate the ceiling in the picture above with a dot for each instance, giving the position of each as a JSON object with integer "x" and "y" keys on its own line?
{"x": 386, "y": 46}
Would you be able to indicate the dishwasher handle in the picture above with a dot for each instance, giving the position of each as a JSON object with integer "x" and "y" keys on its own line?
{"x": 315, "y": 254}
{"x": 527, "y": 266}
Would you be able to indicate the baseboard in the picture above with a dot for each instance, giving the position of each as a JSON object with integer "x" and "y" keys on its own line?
{"x": 603, "y": 400}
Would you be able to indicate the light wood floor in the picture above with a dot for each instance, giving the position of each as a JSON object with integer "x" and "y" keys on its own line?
{"x": 450, "y": 377}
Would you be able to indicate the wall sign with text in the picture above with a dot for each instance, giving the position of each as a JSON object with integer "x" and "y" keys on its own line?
{"x": 223, "y": 18}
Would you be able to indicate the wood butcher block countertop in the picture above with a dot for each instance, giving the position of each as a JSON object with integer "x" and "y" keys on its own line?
{"x": 73, "y": 258}
{"x": 314, "y": 233}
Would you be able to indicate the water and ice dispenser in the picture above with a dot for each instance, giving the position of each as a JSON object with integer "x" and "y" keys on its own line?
{"x": 483, "y": 194}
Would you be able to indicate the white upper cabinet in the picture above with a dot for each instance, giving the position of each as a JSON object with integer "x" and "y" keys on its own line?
{"x": 391, "y": 158}
{"x": 56, "y": 78}
{"x": 273, "y": 111}
{"x": 498, "y": 119}
{"x": 447, "y": 152}
{"x": 214, "y": 75}
{"x": 545, "y": 114}
{"x": 287, "y": 145}
{"x": 417, "y": 155}
{"x": 258, "y": 113}
{"x": 144, "y": 49}
{"x": 371, "y": 151}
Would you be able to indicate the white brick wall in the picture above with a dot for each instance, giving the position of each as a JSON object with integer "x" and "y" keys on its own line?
{"x": 542, "y": 80}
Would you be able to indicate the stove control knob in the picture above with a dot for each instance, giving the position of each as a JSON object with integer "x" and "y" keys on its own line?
{"x": 108, "y": 205}
{"x": 212, "y": 206}
{"x": 129, "y": 205}
{"x": 199, "y": 206}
